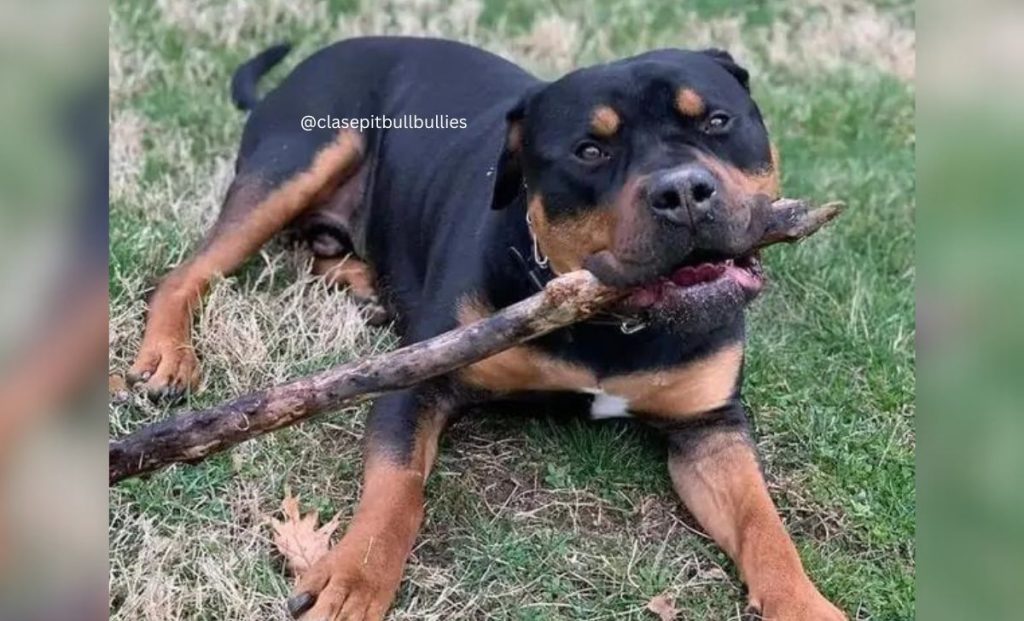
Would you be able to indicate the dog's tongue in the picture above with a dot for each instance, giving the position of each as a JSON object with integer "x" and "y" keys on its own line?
{"x": 651, "y": 293}
{"x": 696, "y": 274}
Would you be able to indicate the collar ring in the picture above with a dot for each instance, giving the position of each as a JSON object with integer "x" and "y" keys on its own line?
{"x": 538, "y": 257}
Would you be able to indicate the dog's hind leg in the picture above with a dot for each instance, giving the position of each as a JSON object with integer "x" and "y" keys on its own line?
{"x": 331, "y": 230}
{"x": 273, "y": 186}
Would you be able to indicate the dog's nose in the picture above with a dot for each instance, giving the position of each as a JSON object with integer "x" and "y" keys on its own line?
{"x": 683, "y": 196}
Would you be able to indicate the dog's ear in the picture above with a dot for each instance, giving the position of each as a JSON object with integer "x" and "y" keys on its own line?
{"x": 508, "y": 173}
{"x": 728, "y": 63}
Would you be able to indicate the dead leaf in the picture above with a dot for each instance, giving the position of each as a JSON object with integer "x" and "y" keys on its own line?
{"x": 664, "y": 606}
{"x": 297, "y": 536}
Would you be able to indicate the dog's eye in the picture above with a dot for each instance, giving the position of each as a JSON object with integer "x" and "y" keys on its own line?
{"x": 717, "y": 123}
{"x": 589, "y": 152}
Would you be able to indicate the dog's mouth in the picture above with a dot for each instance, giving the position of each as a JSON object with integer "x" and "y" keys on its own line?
{"x": 704, "y": 284}
{"x": 701, "y": 275}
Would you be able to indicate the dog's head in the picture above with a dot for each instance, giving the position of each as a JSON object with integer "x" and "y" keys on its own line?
{"x": 650, "y": 172}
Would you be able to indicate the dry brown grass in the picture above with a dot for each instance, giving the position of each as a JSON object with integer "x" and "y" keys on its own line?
{"x": 829, "y": 35}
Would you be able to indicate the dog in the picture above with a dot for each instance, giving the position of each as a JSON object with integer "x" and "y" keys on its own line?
{"x": 642, "y": 170}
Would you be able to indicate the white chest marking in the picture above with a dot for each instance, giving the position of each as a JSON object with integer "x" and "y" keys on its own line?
{"x": 607, "y": 405}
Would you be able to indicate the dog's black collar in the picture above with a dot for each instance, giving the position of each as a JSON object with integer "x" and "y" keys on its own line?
{"x": 537, "y": 274}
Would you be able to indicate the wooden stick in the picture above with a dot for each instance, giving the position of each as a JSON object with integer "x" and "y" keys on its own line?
{"x": 192, "y": 436}
{"x": 791, "y": 220}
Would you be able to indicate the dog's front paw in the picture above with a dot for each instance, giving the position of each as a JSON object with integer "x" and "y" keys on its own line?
{"x": 800, "y": 604}
{"x": 165, "y": 368}
{"x": 356, "y": 581}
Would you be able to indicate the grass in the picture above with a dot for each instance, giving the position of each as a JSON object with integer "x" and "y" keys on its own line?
{"x": 530, "y": 516}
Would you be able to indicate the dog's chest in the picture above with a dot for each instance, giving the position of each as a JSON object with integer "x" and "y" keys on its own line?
{"x": 607, "y": 405}
{"x": 691, "y": 388}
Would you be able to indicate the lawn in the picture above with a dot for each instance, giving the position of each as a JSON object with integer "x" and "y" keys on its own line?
{"x": 530, "y": 516}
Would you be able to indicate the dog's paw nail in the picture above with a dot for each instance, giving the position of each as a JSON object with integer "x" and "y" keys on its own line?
{"x": 300, "y": 604}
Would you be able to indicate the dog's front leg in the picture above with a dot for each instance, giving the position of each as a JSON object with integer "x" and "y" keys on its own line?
{"x": 715, "y": 471}
{"x": 359, "y": 577}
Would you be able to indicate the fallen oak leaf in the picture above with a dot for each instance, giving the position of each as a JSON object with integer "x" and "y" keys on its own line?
{"x": 297, "y": 537}
{"x": 664, "y": 606}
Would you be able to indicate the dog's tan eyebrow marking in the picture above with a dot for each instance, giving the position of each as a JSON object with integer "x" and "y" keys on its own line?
{"x": 689, "y": 103}
{"x": 604, "y": 121}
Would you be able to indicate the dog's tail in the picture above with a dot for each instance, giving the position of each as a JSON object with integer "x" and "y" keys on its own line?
{"x": 247, "y": 77}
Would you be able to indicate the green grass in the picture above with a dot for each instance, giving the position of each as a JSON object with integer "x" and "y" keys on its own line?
{"x": 529, "y": 516}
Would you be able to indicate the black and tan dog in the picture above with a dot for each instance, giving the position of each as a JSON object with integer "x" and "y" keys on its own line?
{"x": 642, "y": 170}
